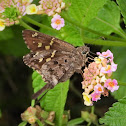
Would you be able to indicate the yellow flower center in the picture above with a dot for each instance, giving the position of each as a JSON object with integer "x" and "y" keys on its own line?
{"x": 111, "y": 84}
{"x": 33, "y": 9}
{"x": 108, "y": 67}
{"x": 1, "y": 23}
{"x": 58, "y": 21}
{"x": 99, "y": 89}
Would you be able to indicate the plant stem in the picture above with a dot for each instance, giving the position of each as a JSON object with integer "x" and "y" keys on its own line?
{"x": 67, "y": 18}
{"x": 26, "y": 18}
{"x": 22, "y": 23}
{"x": 92, "y": 109}
{"x": 103, "y": 42}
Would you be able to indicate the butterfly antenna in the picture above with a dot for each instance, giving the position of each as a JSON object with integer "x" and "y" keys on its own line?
{"x": 93, "y": 53}
{"x": 91, "y": 57}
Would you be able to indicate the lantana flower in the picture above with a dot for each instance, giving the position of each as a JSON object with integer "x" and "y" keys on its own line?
{"x": 87, "y": 99}
{"x": 50, "y": 7}
{"x": 11, "y": 11}
{"x": 97, "y": 77}
{"x": 57, "y": 22}
{"x": 111, "y": 85}
{"x": 31, "y": 9}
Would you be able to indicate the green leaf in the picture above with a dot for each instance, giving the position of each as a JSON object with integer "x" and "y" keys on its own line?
{"x": 107, "y": 20}
{"x": 23, "y": 124}
{"x": 75, "y": 121}
{"x": 71, "y": 34}
{"x": 82, "y": 11}
{"x": 85, "y": 10}
{"x": 116, "y": 116}
{"x": 37, "y": 83}
{"x": 55, "y": 101}
{"x": 122, "y": 6}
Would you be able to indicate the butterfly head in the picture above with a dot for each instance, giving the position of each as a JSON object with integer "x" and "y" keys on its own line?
{"x": 83, "y": 50}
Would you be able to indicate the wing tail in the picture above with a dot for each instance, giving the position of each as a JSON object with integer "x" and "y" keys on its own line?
{"x": 46, "y": 87}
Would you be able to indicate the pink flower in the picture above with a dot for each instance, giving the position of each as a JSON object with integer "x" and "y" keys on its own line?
{"x": 111, "y": 85}
{"x": 107, "y": 69}
{"x": 107, "y": 54}
{"x": 57, "y": 22}
{"x": 98, "y": 88}
{"x": 51, "y": 7}
{"x": 114, "y": 66}
{"x": 95, "y": 96}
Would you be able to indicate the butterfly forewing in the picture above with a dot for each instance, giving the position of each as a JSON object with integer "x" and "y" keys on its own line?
{"x": 37, "y": 41}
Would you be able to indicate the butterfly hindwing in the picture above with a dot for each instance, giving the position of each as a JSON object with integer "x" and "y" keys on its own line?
{"x": 52, "y": 62}
{"x": 37, "y": 41}
{"x": 54, "y": 70}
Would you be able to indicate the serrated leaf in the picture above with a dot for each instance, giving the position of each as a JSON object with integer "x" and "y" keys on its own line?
{"x": 55, "y": 101}
{"x": 122, "y": 6}
{"x": 107, "y": 21}
{"x": 116, "y": 116}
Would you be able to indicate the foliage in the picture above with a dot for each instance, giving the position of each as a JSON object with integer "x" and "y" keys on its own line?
{"x": 85, "y": 22}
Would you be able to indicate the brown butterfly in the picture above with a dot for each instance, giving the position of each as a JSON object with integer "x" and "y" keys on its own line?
{"x": 55, "y": 60}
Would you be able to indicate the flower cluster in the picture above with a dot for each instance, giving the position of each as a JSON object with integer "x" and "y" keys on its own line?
{"x": 97, "y": 76}
{"x": 32, "y": 114}
{"x": 11, "y": 11}
{"x": 50, "y": 8}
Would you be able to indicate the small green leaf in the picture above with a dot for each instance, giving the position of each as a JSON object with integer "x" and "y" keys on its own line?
{"x": 116, "y": 116}
{"x": 23, "y": 124}
{"x": 75, "y": 121}
{"x": 122, "y": 6}
{"x": 37, "y": 83}
{"x": 55, "y": 98}
{"x": 55, "y": 101}
{"x": 39, "y": 122}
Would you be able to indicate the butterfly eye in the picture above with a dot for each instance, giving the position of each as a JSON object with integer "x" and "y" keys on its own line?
{"x": 83, "y": 52}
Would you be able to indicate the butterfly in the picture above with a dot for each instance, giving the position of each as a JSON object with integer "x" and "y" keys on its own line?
{"x": 55, "y": 60}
